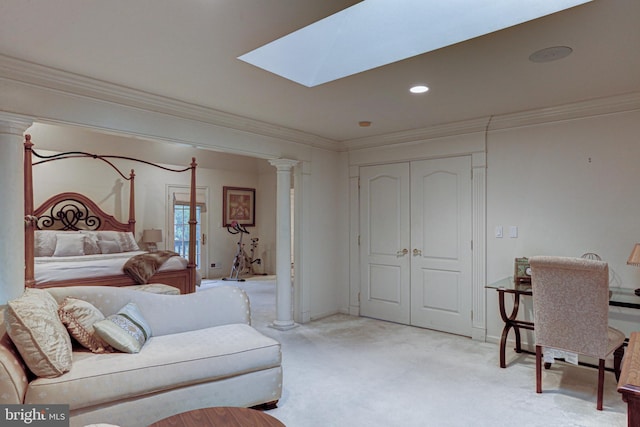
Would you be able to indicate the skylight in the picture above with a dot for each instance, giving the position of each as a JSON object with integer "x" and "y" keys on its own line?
{"x": 379, "y": 32}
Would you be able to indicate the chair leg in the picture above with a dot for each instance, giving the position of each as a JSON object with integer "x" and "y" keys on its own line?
{"x": 600, "y": 384}
{"x": 538, "y": 369}
{"x": 618, "y": 354}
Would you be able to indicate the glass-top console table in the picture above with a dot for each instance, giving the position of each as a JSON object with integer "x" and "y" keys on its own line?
{"x": 619, "y": 297}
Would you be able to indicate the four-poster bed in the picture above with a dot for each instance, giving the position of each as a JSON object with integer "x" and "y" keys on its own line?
{"x": 71, "y": 241}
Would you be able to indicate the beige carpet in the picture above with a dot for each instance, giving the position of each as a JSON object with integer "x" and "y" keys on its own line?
{"x": 346, "y": 371}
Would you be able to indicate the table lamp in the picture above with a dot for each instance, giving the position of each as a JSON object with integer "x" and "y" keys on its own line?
{"x": 151, "y": 238}
{"x": 634, "y": 259}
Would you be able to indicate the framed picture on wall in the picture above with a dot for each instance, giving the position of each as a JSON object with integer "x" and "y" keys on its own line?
{"x": 238, "y": 204}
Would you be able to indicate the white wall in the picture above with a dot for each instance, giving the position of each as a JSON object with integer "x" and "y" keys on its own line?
{"x": 327, "y": 259}
{"x": 266, "y": 217}
{"x": 571, "y": 187}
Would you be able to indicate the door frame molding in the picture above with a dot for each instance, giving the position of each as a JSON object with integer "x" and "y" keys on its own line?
{"x": 472, "y": 144}
{"x": 204, "y": 226}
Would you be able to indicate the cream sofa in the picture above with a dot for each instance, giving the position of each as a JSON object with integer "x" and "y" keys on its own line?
{"x": 202, "y": 352}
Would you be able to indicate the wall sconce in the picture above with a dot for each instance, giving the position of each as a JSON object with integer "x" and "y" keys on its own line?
{"x": 151, "y": 238}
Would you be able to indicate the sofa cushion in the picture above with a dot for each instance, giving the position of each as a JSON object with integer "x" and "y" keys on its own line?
{"x": 126, "y": 330}
{"x": 79, "y": 317}
{"x": 36, "y": 330}
{"x": 165, "y": 362}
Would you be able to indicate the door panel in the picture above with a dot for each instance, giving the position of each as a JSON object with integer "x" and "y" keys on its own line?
{"x": 441, "y": 290}
{"x": 384, "y": 285}
{"x": 384, "y": 242}
{"x": 439, "y": 219}
{"x": 441, "y": 244}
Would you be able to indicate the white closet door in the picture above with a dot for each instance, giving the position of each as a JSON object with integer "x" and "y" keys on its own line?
{"x": 441, "y": 291}
{"x": 384, "y": 242}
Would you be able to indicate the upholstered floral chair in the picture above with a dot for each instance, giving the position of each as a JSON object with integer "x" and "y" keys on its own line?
{"x": 571, "y": 312}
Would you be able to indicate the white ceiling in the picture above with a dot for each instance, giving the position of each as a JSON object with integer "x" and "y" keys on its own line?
{"x": 188, "y": 49}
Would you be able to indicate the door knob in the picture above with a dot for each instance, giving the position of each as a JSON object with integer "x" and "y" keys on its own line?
{"x": 402, "y": 252}
{"x": 417, "y": 252}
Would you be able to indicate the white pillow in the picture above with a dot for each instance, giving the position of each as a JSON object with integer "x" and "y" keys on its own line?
{"x": 69, "y": 244}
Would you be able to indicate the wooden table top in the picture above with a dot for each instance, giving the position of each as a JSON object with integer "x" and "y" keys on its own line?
{"x": 219, "y": 417}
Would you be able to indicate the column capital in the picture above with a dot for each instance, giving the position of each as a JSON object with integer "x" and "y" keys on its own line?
{"x": 14, "y": 127}
{"x": 283, "y": 164}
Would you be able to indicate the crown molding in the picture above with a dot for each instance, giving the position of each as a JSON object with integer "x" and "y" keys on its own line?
{"x": 414, "y": 135}
{"x": 78, "y": 85}
{"x": 75, "y": 84}
{"x": 577, "y": 110}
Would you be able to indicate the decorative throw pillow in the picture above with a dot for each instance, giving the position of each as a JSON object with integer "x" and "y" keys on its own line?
{"x": 126, "y": 330}
{"x": 125, "y": 239}
{"x": 38, "y": 334}
{"x": 79, "y": 316}
{"x": 128, "y": 242}
{"x": 69, "y": 244}
{"x": 109, "y": 247}
{"x": 45, "y": 242}
{"x": 90, "y": 242}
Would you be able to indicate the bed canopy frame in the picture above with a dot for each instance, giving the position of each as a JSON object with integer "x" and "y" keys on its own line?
{"x": 71, "y": 211}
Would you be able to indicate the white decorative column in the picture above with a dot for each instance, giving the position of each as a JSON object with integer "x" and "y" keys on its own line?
{"x": 284, "y": 308}
{"x": 11, "y": 209}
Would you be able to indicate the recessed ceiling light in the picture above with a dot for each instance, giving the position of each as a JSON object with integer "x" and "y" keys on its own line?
{"x": 364, "y": 124}
{"x": 418, "y": 89}
{"x": 550, "y": 54}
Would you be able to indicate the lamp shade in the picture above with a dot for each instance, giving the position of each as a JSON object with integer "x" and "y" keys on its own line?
{"x": 634, "y": 258}
{"x": 152, "y": 236}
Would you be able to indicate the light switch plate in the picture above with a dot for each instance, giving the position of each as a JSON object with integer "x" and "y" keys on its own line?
{"x": 513, "y": 231}
{"x": 499, "y": 232}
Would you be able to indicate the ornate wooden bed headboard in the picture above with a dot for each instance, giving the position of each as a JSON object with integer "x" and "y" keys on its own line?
{"x": 74, "y": 211}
